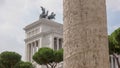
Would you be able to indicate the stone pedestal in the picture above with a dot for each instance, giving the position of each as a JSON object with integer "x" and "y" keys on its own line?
{"x": 85, "y": 34}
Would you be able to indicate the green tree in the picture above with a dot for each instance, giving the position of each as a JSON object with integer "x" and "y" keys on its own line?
{"x": 23, "y": 64}
{"x": 111, "y": 45}
{"x": 58, "y": 56}
{"x": 1, "y": 65}
{"x": 49, "y": 57}
{"x": 114, "y": 44}
{"x": 9, "y": 59}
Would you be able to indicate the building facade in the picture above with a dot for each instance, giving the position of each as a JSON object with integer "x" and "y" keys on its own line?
{"x": 42, "y": 33}
{"x": 47, "y": 33}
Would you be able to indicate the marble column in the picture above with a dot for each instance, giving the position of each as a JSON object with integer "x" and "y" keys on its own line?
{"x": 40, "y": 42}
{"x": 51, "y": 41}
{"x": 111, "y": 63}
{"x": 57, "y": 43}
{"x": 27, "y": 52}
{"x": 35, "y": 47}
{"x": 116, "y": 65}
{"x": 32, "y": 44}
{"x": 85, "y": 34}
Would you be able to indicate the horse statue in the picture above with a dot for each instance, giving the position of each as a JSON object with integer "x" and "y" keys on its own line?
{"x": 44, "y": 14}
{"x": 52, "y": 16}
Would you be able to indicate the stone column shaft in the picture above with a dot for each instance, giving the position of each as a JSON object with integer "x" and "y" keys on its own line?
{"x": 35, "y": 47}
{"x": 111, "y": 64}
{"x": 40, "y": 42}
{"x": 57, "y": 43}
{"x": 85, "y": 34}
{"x": 32, "y": 44}
{"x": 27, "y": 52}
{"x": 51, "y": 41}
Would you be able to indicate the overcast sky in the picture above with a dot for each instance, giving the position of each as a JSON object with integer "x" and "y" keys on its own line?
{"x": 16, "y": 14}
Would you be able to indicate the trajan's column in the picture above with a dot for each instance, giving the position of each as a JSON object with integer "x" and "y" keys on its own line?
{"x": 85, "y": 34}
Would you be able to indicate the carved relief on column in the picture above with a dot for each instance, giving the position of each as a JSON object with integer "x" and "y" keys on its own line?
{"x": 85, "y": 34}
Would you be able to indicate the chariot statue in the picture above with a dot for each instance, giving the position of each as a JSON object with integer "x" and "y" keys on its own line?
{"x": 52, "y": 16}
{"x": 44, "y": 14}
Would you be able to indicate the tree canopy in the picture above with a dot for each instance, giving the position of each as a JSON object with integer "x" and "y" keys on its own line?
{"x": 9, "y": 59}
{"x": 49, "y": 57}
{"x": 13, "y": 60}
{"x": 114, "y": 42}
{"x": 23, "y": 64}
{"x": 58, "y": 56}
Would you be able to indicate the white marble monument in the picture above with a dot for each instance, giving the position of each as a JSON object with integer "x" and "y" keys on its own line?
{"x": 42, "y": 33}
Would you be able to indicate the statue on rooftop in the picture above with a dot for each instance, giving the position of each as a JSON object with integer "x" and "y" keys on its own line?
{"x": 52, "y": 16}
{"x": 44, "y": 14}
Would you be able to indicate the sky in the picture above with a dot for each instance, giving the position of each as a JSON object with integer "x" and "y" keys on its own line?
{"x": 16, "y": 14}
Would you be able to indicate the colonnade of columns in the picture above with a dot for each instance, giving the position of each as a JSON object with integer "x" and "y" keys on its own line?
{"x": 31, "y": 49}
{"x": 57, "y": 43}
{"x": 113, "y": 62}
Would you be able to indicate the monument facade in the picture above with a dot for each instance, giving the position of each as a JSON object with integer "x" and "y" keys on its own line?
{"x": 85, "y": 34}
{"x": 42, "y": 33}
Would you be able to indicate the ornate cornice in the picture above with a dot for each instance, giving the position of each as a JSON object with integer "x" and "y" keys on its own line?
{"x": 37, "y": 36}
{"x": 43, "y": 21}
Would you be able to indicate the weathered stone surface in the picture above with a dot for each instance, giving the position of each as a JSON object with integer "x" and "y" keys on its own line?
{"x": 85, "y": 34}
